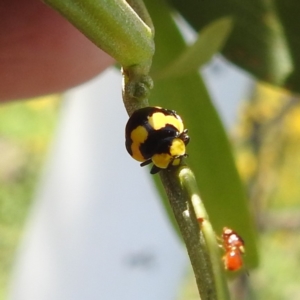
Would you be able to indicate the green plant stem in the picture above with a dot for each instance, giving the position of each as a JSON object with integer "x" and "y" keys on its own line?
{"x": 113, "y": 25}
{"x": 202, "y": 247}
{"x": 189, "y": 184}
{"x": 136, "y": 87}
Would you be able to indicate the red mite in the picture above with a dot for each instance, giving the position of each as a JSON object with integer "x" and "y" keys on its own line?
{"x": 234, "y": 247}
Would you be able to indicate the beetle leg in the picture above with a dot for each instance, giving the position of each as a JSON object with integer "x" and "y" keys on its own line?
{"x": 146, "y": 162}
{"x": 155, "y": 169}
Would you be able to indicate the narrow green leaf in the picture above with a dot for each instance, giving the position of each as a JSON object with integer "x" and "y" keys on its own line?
{"x": 258, "y": 42}
{"x": 210, "y": 40}
{"x": 112, "y": 25}
{"x": 210, "y": 155}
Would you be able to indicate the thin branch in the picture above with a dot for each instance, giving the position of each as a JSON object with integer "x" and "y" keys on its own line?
{"x": 199, "y": 237}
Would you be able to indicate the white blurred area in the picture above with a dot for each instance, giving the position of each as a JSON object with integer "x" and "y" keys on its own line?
{"x": 97, "y": 229}
{"x": 228, "y": 87}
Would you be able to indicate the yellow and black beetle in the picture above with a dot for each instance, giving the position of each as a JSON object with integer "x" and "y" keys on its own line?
{"x": 155, "y": 134}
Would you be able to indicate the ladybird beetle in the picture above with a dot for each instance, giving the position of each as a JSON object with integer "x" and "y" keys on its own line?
{"x": 157, "y": 135}
{"x": 234, "y": 247}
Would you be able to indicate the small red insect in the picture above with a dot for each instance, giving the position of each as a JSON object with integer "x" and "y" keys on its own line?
{"x": 234, "y": 247}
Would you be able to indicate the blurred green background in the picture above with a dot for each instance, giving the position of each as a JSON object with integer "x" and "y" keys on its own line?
{"x": 266, "y": 139}
{"x": 26, "y": 129}
{"x": 267, "y": 151}
{"x": 266, "y": 143}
